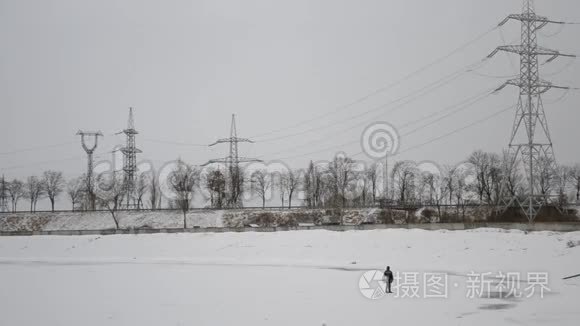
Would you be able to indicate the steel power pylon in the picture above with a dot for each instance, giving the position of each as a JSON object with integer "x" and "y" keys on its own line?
{"x": 530, "y": 143}
{"x": 90, "y": 150}
{"x": 233, "y": 160}
{"x": 130, "y": 152}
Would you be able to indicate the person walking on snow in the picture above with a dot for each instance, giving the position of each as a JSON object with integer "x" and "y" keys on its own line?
{"x": 388, "y": 279}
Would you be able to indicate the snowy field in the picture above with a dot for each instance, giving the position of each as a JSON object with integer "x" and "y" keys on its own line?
{"x": 100, "y": 220}
{"x": 285, "y": 278}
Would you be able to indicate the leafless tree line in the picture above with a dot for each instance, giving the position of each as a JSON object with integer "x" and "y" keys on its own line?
{"x": 485, "y": 178}
{"x": 50, "y": 185}
{"x": 340, "y": 183}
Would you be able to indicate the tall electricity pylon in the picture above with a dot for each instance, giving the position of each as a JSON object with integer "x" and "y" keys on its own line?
{"x": 232, "y": 163}
{"x": 3, "y": 196}
{"x": 130, "y": 160}
{"x": 90, "y": 150}
{"x": 530, "y": 147}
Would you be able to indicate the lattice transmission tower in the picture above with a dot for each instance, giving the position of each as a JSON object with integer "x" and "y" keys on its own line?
{"x": 90, "y": 150}
{"x": 530, "y": 147}
{"x": 232, "y": 163}
{"x": 130, "y": 152}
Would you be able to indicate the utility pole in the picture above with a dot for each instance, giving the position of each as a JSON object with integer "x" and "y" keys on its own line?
{"x": 90, "y": 150}
{"x": 530, "y": 147}
{"x": 130, "y": 160}
{"x": 232, "y": 162}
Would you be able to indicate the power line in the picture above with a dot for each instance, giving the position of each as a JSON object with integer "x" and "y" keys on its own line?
{"x": 558, "y": 31}
{"x": 409, "y": 98}
{"x": 459, "y": 129}
{"x": 168, "y": 142}
{"x": 486, "y": 92}
{"x": 31, "y": 149}
{"x": 466, "y": 104}
{"x": 565, "y": 67}
{"x": 492, "y": 76}
{"x": 72, "y": 158}
{"x": 560, "y": 98}
{"x": 461, "y": 108}
{"x": 495, "y": 114}
{"x": 384, "y": 88}
{"x": 476, "y": 98}
{"x": 510, "y": 59}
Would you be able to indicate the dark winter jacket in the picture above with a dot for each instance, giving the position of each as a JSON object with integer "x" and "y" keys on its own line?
{"x": 389, "y": 275}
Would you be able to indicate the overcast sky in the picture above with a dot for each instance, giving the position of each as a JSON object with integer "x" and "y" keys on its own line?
{"x": 186, "y": 66}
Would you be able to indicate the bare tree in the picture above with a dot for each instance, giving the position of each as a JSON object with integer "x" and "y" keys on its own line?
{"x": 236, "y": 185}
{"x": 141, "y": 188}
{"x": 563, "y": 176}
{"x": 154, "y": 191}
{"x": 404, "y": 177}
{"x": 341, "y": 175}
{"x": 89, "y": 195}
{"x": 513, "y": 177}
{"x": 437, "y": 189}
{"x": 372, "y": 177}
{"x": 110, "y": 191}
{"x": 215, "y": 183}
{"x": 15, "y": 190}
{"x": 545, "y": 175}
{"x": 575, "y": 176}
{"x": 262, "y": 183}
{"x": 362, "y": 185}
{"x": 450, "y": 175}
{"x": 422, "y": 190}
{"x": 495, "y": 179}
{"x": 309, "y": 185}
{"x": 327, "y": 190}
{"x": 292, "y": 183}
{"x": 282, "y": 187}
{"x": 54, "y": 183}
{"x": 487, "y": 171}
{"x": 182, "y": 181}
{"x": 34, "y": 190}
{"x": 461, "y": 190}
{"x": 74, "y": 190}
{"x": 313, "y": 185}
{"x": 3, "y": 194}
{"x": 480, "y": 168}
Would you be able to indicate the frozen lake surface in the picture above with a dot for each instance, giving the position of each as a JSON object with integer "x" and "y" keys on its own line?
{"x": 287, "y": 278}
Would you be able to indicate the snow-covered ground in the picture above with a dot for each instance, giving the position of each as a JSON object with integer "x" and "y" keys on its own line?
{"x": 284, "y": 278}
{"x": 100, "y": 220}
